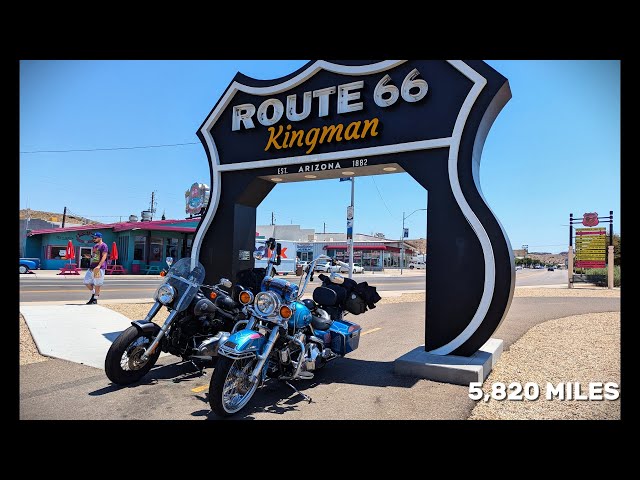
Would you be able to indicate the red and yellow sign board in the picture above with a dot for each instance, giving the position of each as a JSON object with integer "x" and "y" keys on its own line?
{"x": 591, "y": 247}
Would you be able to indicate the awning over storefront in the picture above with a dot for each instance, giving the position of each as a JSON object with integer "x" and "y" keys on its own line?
{"x": 355, "y": 247}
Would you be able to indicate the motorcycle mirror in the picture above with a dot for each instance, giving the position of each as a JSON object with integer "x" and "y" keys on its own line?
{"x": 169, "y": 261}
{"x": 225, "y": 282}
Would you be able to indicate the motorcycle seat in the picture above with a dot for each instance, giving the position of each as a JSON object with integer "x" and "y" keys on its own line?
{"x": 321, "y": 320}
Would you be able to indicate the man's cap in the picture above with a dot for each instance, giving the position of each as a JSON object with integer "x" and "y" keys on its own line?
{"x": 96, "y": 235}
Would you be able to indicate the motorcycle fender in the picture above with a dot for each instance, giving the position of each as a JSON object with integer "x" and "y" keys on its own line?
{"x": 243, "y": 341}
{"x": 146, "y": 327}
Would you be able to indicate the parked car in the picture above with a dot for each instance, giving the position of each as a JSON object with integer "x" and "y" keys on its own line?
{"x": 28, "y": 264}
{"x": 518, "y": 267}
{"x": 326, "y": 267}
{"x": 357, "y": 268}
{"x": 417, "y": 265}
{"x": 550, "y": 269}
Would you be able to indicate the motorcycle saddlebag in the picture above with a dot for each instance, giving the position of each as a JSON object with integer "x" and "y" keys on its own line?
{"x": 355, "y": 304}
{"x": 345, "y": 336}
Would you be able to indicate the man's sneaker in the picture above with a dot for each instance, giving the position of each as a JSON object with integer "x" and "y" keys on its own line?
{"x": 92, "y": 301}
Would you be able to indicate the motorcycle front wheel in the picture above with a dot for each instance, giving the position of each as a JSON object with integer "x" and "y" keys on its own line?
{"x": 123, "y": 364}
{"x": 230, "y": 389}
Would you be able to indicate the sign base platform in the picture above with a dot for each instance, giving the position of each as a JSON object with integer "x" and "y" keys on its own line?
{"x": 450, "y": 368}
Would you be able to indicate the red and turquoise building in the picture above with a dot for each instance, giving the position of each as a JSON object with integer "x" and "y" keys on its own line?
{"x": 139, "y": 244}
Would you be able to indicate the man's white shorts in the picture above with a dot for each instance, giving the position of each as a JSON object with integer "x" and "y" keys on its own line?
{"x": 90, "y": 279}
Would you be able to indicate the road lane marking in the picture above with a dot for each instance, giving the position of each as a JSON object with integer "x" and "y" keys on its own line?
{"x": 371, "y": 331}
{"x": 199, "y": 389}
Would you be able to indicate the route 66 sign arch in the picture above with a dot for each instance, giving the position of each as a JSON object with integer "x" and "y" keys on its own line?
{"x": 428, "y": 118}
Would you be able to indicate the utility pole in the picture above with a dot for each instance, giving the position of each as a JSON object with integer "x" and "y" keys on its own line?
{"x": 324, "y": 227}
{"x": 272, "y": 219}
{"x": 64, "y": 216}
{"x": 152, "y": 209}
{"x": 350, "y": 228}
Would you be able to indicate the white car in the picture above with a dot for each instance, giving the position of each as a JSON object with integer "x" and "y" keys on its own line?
{"x": 326, "y": 267}
{"x": 417, "y": 265}
{"x": 357, "y": 268}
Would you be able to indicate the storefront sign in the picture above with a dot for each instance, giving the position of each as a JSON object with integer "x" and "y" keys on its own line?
{"x": 428, "y": 118}
{"x": 196, "y": 198}
{"x": 304, "y": 247}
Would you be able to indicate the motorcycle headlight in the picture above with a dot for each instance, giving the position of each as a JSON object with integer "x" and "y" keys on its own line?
{"x": 267, "y": 303}
{"x": 165, "y": 294}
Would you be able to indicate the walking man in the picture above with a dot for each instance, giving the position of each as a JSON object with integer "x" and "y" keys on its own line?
{"x": 94, "y": 278}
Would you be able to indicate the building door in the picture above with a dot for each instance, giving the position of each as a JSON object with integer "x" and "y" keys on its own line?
{"x": 85, "y": 257}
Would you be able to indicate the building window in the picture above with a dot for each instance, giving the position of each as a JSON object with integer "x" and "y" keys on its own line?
{"x": 57, "y": 252}
{"x": 305, "y": 256}
{"x": 155, "y": 252}
{"x": 139, "y": 248}
{"x": 171, "y": 249}
{"x": 187, "y": 250}
{"x": 370, "y": 258}
{"x": 123, "y": 248}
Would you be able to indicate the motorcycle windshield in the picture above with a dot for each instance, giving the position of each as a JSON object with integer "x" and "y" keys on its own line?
{"x": 185, "y": 281}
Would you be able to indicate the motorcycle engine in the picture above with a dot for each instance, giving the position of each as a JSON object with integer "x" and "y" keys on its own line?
{"x": 310, "y": 362}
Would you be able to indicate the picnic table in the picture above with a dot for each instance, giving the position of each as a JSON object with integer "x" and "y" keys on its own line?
{"x": 147, "y": 269}
{"x": 69, "y": 269}
{"x": 115, "y": 270}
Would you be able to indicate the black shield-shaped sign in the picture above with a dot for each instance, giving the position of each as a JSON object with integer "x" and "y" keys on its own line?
{"x": 428, "y": 118}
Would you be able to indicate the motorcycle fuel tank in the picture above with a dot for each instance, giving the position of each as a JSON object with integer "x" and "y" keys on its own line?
{"x": 301, "y": 315}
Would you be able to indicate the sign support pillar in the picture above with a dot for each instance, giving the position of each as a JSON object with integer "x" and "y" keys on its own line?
{"x": 610, "y": 267}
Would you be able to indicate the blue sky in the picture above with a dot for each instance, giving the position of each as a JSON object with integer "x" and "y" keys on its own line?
{"x": 554, "y": 149}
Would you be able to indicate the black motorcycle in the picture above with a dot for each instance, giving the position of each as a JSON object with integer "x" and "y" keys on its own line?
{"x": 201, "y": 317}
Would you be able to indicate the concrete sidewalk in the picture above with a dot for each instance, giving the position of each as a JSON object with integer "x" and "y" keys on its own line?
{"x": 79, "y": 333}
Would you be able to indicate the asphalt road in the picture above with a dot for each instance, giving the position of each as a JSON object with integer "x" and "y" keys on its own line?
{"x": 532, "y": 277}
{"x": 71, "y": 289}
{"x": 359, "y": 386}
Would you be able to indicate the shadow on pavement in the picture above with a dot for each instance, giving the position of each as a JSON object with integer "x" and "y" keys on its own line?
{"x": 277, "y": 398}
{"x": 176, "y": 372}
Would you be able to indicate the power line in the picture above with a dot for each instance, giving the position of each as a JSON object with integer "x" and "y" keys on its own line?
{"x": 113, "y": 148}
{"x": 380, "y": 195}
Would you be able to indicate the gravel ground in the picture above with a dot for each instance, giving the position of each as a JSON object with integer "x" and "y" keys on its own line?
{"x": 28, "y": 350}
{"x": 566, "y": 292}
{"x": 138, "y": 311}
{"x": 580, "y": 348}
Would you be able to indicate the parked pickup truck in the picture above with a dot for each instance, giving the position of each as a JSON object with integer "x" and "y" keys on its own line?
{"x": 28, "y": 264}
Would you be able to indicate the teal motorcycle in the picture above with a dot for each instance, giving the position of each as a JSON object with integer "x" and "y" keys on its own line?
{"x": 286, "y": 338}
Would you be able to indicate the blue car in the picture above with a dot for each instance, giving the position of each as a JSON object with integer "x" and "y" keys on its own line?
{"x": 28, "y": 264}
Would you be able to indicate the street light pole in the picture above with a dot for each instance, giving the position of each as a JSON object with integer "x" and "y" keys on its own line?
{"x": 402, "y": 238}
{"x": 402, "y": 245}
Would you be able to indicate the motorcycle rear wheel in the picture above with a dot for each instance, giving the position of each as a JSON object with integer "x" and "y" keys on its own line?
{"x": 230, "y": 390}
{"x": 122, "y": 363}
